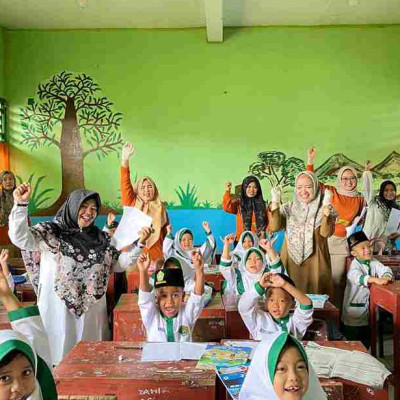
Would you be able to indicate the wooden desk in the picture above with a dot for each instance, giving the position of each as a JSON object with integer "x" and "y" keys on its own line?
{"x": 213, "y": 277}
{"x": 115, "y": 369}
{"x": 128, "y": 326}
{"x": 388, "y": 298}
{"x": 236, "y": 329}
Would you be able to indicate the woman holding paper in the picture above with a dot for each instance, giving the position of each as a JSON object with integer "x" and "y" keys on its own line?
{"x": 380, "y": 207}
{"x": 145, "y": 197}
{"x": 69, "y": 262}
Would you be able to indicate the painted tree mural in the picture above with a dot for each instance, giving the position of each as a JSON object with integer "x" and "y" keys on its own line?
{"x": 277, "y": 168}
{"x": 68, "y": 115}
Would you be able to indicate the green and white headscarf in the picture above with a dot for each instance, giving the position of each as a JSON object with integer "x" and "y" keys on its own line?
{"x": 258, "y": 384}
{"x": 238, "y": 252}
{"x": 45, "y": 388}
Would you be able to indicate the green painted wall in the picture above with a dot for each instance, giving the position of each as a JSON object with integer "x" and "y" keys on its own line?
{"x": 2, "y": 51}
{"x": 201, "y": 112}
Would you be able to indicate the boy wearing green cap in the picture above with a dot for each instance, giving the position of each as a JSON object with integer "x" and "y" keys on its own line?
{"x": 164, "y": 314}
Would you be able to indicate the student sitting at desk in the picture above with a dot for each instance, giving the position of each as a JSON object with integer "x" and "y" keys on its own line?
{"x": 280, "y": 296}
{"x": 251, "y": 267}
{"x": 25, "y": 360}
{"x": 363, "y": 271}
{"x": 181, "y": 247}
{"x": 164, "y": 314}
{"x": 280, "y": 370}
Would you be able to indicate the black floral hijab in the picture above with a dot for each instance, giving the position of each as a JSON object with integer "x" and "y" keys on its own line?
{"x": 6, "y": 199}
{"x": 386, "y": 205}
{"x": 255, "y": 204}
{"x": 86, "y": 255}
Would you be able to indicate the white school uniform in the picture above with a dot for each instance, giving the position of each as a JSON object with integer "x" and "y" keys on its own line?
{"x": 356, "y": 296}
{"x": 173, "y": 248}
{"x": 239, "y": 279}
{"x": 64, "y": 330}
{"x": 260, "y": 323}
{"x": 163, "y": 329}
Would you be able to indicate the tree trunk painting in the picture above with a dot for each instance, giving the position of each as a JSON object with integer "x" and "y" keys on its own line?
{"x": 87, "y": 126}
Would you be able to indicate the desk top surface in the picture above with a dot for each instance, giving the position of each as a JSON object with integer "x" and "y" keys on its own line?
{"x": 121, "y": 360}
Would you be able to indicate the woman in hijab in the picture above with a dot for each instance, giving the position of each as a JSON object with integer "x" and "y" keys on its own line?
{"x": 71, "y": 261}
{"x": 7, "y": 182}
{"x": 280, "y": 370}
{"x": 348, "y": 204}
{"x": 308, "y": 221}
{"x": 250, "y": 208}
{"x": 145, "y": 197}
{"x": 379, "y": 208}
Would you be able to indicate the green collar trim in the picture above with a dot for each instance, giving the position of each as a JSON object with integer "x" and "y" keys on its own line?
{"x": 282, "y": 322}
{"x": 364, "y": 262}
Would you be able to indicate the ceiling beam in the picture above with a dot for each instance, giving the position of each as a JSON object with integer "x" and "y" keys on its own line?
{"x": 214, "y": 20}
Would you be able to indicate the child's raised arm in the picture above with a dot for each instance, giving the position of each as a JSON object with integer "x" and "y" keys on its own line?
{"x": 143, "y": 263}
{"x": 267, "y": 245}
{"x": 228, "y": 240}
{"x": 278, "y": 281}
{"x": 197, "y": 260}
{"x": 10, "y": 302}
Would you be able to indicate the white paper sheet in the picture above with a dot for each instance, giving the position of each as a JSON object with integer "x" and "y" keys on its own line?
{"x": 352, "y": 228}
{"x": 132, "y": 221}
{"x": 173, "y": 351}
{"x": 393, "y": 225}
{"x": 355, "y": 366}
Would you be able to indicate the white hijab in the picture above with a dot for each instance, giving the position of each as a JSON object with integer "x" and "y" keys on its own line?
{"x": 250, "y": 279}
{"x": 258, "y": 382}
{"x": 238, "y": 252}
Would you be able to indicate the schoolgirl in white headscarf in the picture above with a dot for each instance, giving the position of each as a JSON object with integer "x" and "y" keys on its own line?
{"x": 280, "y": 370}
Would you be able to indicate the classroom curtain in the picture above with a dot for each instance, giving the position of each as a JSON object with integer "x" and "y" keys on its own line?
{"x": 4, "y": 156}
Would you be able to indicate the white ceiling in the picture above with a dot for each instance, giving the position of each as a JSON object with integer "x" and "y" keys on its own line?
{"x": 67, "y": 14}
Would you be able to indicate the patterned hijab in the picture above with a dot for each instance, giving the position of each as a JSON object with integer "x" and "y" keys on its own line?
{"x": 85, "y": 255}
{"x": 343, "y": 192}
{"x": 154, "y": 208}
{"x": 386, "y": 205}
{"x": 250, "y": 205}
{"x": 301, "y": 221}
{"x": 6, "y": 199}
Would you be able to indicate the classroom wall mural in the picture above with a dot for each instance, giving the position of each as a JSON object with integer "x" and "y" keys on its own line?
{"x": 69, "y": 116}
{"x": 199, "y": 115}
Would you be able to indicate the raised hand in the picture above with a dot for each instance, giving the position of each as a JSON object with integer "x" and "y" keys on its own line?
{"x": 169, "y": 229}
{"x": 326, "y": 202}
{"x": 311, "y": 155}
{"x": 277, "y": 281}
{"x": 197, "y": 260}
{"x": 228, "y": 186}
{"x": 144, "y": 234}
{"x": 206, "y": 226}
{"x": 229, "y": 239}
{"x": 267, "y": 244}
{"x": 4, "y": 256}
{"x": 276, "y": 195}
{"x": 265, "y": 280}
{"x": 22, "y": 193}
{"x": 143, "y": 262}
{"x": 110, "y": 218}
{"x": 127, "y": 151}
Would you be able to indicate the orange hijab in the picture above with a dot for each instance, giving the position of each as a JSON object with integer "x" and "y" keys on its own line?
{"x": 154, "y": 208}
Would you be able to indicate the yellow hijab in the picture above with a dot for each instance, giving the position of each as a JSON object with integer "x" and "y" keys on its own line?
{"x": 154, "y": 208}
